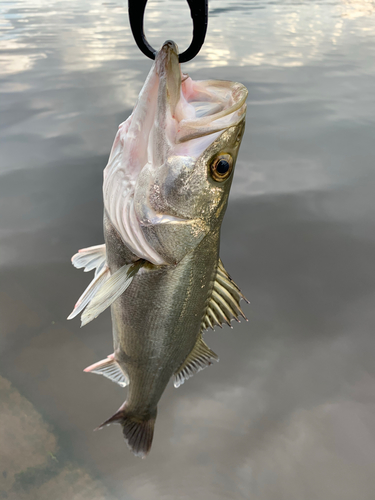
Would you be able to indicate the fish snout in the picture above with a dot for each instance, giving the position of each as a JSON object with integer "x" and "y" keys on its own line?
{"x": 168, "y": 47}
{"x": 166, "y": 60}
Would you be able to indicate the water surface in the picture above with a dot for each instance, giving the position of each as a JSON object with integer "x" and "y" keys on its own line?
{"x": 288, "y": 413}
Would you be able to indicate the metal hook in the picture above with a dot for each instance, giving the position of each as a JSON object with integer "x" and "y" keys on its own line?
{"x": 199, "y": 15}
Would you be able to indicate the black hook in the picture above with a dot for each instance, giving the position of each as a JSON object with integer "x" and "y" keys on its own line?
{"x": 199, "y": 15}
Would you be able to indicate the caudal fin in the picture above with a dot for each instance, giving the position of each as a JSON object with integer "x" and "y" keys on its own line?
{"x": 138, "y": 430}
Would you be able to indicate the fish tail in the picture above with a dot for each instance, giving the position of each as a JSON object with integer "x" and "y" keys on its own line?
{"x": 138, "y": 430}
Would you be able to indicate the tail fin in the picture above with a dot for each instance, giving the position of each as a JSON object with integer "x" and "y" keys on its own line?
{"x": 138, "y": 430}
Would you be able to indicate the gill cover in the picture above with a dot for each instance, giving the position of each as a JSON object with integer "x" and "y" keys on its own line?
{"x": 159, "y": 191}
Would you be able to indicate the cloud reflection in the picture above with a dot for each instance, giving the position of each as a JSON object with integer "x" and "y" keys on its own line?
{"x": 93, "y": 34}
{"x": 353, "y": 9}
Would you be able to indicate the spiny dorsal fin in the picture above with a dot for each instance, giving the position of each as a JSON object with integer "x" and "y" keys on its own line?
{"x": 109, "y": 368}
{"x": 224, "y": 303}
{"x": 200, "y": 357}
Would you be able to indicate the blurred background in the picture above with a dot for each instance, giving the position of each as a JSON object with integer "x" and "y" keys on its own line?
{"x": 289, "y": 412}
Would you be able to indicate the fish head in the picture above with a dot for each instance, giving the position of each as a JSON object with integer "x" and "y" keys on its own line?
{"x": 167, "y": 182}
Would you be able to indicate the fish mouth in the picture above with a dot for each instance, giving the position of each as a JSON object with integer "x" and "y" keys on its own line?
{"x": 174, "y": 115}
{"x": 193, "y": 110}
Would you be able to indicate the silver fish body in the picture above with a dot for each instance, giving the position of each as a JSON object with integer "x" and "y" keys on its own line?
{"x": 166, "y": 188}
{"x": 157, "y": 321}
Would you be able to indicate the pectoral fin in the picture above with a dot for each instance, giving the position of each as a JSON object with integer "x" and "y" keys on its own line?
{"x": 90, "y": 292}
{"x": 104, "y": 289}
{"x": 224, "y": 303}
{"x": 110, "y": 291}
{"x": 200, "y": 357}
{"x": 90, "y": 258}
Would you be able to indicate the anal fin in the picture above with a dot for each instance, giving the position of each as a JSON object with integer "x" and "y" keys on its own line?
{"x": 200, "y": 357}
{"x": 109, "y": 368}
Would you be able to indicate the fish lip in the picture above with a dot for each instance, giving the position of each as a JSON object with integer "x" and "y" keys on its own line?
{"x": 166, "y": 59}
{"x": 170, "y": 45}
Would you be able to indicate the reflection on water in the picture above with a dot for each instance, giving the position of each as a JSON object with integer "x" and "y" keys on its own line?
{"x": 89, "y": 34}
{"x": 288, "y": 413}
{"x": 354, "y": 8}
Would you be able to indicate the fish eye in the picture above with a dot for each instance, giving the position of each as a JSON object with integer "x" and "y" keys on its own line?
{"x": 221, "y": 167}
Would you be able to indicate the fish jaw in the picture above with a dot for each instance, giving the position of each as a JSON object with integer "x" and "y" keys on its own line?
{"x": 157, "y": 189}
{"x": 165, "y": 125}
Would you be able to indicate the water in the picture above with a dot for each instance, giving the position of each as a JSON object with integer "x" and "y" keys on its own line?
{"x": 288, "y": 413}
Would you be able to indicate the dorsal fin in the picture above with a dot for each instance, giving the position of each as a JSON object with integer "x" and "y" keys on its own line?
{"x": 224, "y": 303}
{"x": 109, "y": 368}
{"x": 200, "y": 357}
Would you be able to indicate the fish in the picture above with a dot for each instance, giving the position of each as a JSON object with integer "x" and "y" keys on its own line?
{"x": 165, "y": 192}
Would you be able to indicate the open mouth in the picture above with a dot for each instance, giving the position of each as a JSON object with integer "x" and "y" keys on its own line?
{"x": 191, "y": 110}
{"x": 174, "y": 111}
{"x": 208, "y": 108}
{"x": 211, "y": 106}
